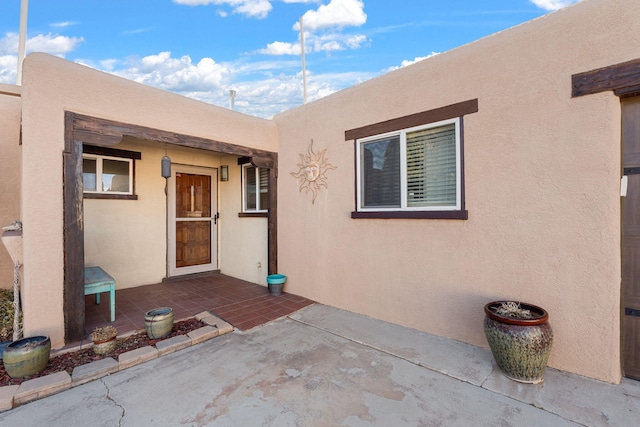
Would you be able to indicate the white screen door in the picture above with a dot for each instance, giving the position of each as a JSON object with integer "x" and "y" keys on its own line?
{"x": 192, "y": 220}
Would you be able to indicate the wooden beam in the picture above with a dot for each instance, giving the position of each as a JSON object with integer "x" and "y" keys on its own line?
{"x": 267, "y": 162}
{"x": 425, "y": 117}
{"x": 614, "y": 77}
{"x": 73, "y": 286}
{"x": 97, "y": 131}
{"x": 272, "y": 220}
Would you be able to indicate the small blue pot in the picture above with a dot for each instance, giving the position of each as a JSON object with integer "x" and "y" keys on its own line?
{"x": 276, "y": 279}
{"x": 275, "y": 283}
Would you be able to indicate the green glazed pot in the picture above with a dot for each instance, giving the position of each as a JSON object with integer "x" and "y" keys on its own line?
{"x": 520, "y": 347}
{"x": 28, "y": 356}
{"x": 158, "y": 322}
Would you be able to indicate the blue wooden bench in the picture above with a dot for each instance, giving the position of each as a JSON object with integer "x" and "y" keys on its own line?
{"x": 97, "y": 281}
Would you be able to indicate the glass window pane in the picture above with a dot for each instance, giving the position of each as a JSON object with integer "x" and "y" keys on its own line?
{"x": 250, "y": 188}
{"x": 264, "y": 189}
{"x": 431, "y": 167}
{"x": 115, "y": 176}
{"x": 380, "y": 166}
{"x": 89, "y": 174}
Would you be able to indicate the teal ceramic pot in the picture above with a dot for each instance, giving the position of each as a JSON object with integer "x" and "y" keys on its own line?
{"x": 520, "y": 347}
{"x": 27, "y": 356}
{"x": 275, "y": 282}
{"x": 3, "y": 345}
{"x": 158, "y": 322}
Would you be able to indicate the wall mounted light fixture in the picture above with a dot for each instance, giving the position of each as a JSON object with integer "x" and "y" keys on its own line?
{"x": 166, "y": 166}
{"x": 224, "y": 173}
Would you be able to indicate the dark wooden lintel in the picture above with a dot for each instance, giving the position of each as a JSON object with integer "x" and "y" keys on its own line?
{"x": 628, "y": 92}
{"x": 425, "y": 117}
{"x": 614, "y": 77}
{"x": 93, "y": 130}
{"x": 112, "y": 152}
{"x": 263, "y": 162}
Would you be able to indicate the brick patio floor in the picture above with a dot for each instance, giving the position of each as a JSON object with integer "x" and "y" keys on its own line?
{"x": 243, "y": 304}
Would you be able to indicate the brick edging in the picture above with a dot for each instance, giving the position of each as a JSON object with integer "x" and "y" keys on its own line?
{"x": 15, "y": 395}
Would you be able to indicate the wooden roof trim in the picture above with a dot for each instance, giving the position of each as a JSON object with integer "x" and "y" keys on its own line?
{"x": 425, "y": 117}
{"x": 621, "y": 78}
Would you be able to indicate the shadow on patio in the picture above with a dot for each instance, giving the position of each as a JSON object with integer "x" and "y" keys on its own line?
{"x": 242, "y": 304}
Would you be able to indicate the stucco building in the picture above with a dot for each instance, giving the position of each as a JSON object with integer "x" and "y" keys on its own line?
{"x": 527, "y": 134}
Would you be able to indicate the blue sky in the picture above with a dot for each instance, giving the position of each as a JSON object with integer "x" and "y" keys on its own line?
{"x": 204, "y": 48}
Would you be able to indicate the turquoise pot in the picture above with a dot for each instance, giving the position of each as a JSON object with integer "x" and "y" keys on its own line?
{"x": 3, "y": 345}
{"x": 26, "y": 357}
{"x": 275, "y": 282}
{"x": 520, "y": 347}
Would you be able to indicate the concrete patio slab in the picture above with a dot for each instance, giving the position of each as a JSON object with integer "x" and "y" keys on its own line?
{"x": 306, "y": 372}
{"x": 458, "y": 360}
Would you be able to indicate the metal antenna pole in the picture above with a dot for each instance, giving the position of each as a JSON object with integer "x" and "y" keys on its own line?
{"x": 22, "y": 39}
{"x": 304, "y": 68}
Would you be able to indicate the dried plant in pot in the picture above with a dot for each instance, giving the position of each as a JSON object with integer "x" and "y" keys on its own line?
{"x": 7, "y": 323}
{"x": 520, "y": 338}
{"x": 104, "y": 339}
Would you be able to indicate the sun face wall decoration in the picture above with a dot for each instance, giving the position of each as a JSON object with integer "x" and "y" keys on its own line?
{"x": 312, "y": 171}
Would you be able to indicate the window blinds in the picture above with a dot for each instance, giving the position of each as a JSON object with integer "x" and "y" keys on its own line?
{"x": 431, "y": 167}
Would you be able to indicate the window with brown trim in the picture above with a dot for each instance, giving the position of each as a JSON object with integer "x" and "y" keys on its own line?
{"x": 415, "y": 171}
{"x": 108, "y": 173}
{"x": 255, "y": 189}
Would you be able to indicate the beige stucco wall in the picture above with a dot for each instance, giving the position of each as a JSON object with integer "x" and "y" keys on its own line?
{"x": 129, "y": 239}
{"x": 542, "y": 174}
{"x": 51, "y": 86}
{"x": 243, "y": 241}
{"x": 10, "y": 169}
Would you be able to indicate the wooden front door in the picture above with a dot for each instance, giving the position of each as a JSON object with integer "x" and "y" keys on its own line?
{"x": 193, "y": 220}
{"x": 631, "y": 238}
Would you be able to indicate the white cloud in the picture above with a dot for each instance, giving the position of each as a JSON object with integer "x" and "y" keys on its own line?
{"x": 253, "y": 8}
{"x": 323, "y": 29}
{"x": 174, "y": 74}
{"x": 8, "y": 69}
{"x": 53, "y": 44}
{"x": 338, "y": 13}
{"x": 63, "y": 24}
{"x": 50, "y": 43}
{"x": 553, "y": 4}
{"x": 408, "y": 62}
{"x": 322, "y": 43}
{"x": 263, "y": 88}
{"x": 281, "y": 48}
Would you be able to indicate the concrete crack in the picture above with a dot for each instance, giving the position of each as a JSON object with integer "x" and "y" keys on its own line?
{"x": 108, "y": 396}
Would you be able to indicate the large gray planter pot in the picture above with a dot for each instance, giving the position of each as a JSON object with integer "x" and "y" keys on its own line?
{"x": 158, "y": 322}
{"x": 27, "y": 356}
{"x": 520, "y": 347}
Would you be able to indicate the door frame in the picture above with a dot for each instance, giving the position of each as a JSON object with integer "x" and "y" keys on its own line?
{"x": 172, "y": 270}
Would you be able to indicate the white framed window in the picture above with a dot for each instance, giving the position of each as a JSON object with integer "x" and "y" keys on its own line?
{"x": 255, "y": 189}
{"x": 107, "y": 175}
{"x": 415, "y": 169}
